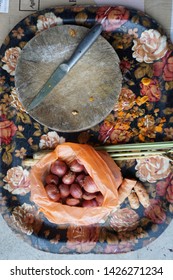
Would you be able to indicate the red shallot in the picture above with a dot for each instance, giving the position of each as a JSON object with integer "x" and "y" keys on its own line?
{"x": 89, "y": 196}
{"x": 99, "y": 198}
{"x": 76, "y": 191}
{"x": 64, "y": 190}
{"x": 79, "y": 179}
{"x": 59, "y": 168}
{"x": 72, "y": 201}
{"x": 89, "y": 185}
{"x": 69, "y": 178}
{"x": 52, "y": 179}
{"x": 89, "y": 203}
{"x": 52, "y": 192}
{"x": 75, "y": 166}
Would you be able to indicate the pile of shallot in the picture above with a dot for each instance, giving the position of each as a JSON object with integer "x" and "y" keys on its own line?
{"x": 70, "y": 184}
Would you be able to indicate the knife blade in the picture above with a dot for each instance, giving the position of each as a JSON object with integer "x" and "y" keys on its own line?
{"x": 65, "y": 67}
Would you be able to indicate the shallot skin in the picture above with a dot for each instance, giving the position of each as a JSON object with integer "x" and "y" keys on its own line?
{"x": 79, "y": 178}
{"x": 75, "y": 166}
{"x": 76, "y": 191}
{"x": 89, "y": 203}
{"x": 71, "y": 185}
{"x": 89, "y": 185}
{"x": 99, "y": 198}
{"x": 59, "y": 168}
{"x": 72, "y": 201}
{"x": 52, "y": 179}
{"x": 89, "y": 196}
{"x": 52, "y": 192}
{"x": 69, "y": 178}
{"x": 64, "y": 190}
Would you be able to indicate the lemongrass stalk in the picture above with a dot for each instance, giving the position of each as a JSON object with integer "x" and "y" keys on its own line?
{"x": 115, "y": 155}
{"x": 40, "y": 154}
{"x": 136, "y": 158}
{"x": 29, "y": 162}
{"x": 137, "y": 146}
{"x": 154, "y": 153}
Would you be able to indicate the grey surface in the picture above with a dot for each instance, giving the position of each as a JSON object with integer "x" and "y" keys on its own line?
{"x": 85, "y": 96}
{"x": 13, "y": 248}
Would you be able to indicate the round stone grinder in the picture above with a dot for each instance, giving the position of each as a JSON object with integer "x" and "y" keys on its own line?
{"x": 85, "y": 96}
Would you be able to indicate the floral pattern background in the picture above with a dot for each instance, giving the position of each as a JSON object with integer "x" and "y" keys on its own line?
{"x": 144, "y": 113}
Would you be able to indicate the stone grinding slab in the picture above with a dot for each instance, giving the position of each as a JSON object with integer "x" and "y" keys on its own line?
{"x": 85, "y": 96}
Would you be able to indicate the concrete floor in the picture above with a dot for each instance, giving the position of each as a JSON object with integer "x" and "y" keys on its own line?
{"x": 12, "y": 248}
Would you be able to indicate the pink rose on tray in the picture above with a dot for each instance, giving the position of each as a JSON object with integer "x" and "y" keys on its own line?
{"x": 164, "y": 67}
{"x": 115, "y": 17}
{"x": 82, "y": 239}
{"x": 7, "y": 131}
{"x": 10, "y": 60}
{"x": 155, "y": 212}
{"x": 17, "y": 180}
{"x": 50, "y": 140}
{"x": 48, "y": 20}
{"x": 168, "y": 70}
{"x": 150, "y": 46}
{"x": 165, "y": 188}
{"x": 152, "y": 168}
{"x": 27, "y": 219}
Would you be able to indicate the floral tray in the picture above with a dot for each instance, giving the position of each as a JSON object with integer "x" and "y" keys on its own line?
{"x": 144, "y": 114}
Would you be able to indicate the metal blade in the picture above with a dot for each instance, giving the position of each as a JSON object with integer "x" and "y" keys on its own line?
{"x": 54, "y": 79}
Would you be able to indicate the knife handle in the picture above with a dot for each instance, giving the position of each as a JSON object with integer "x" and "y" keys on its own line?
{"x": 85, "y": 44}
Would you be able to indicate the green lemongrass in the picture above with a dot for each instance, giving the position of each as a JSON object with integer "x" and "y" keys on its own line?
{"x": 29, "y": 162}
{"x": 137, "y": 157}
{"x": 122, "y": 151}
{"x": 154, "y": 153}
{"x": 137, "y": 146}
{"x": 40, "y": 154}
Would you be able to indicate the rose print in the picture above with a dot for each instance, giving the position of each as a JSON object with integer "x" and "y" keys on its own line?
{"x": 17, "y": 180}
{"x": 115, "y": 17}
{"x": 152, "y": 169}
{"x": 155, "y": 212}
{"x": 164, "y": 67}
{"x": 50, "y": 140}
{"x": 7, "y": 131}
{"x": 48, "y": 20}
{"x": 150, "y": 46}
{"x": 10, "y": 60}
{"x": 82, "y": 239}
{"x": 152, "y": 90}
{"x": 27, "y": 219}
